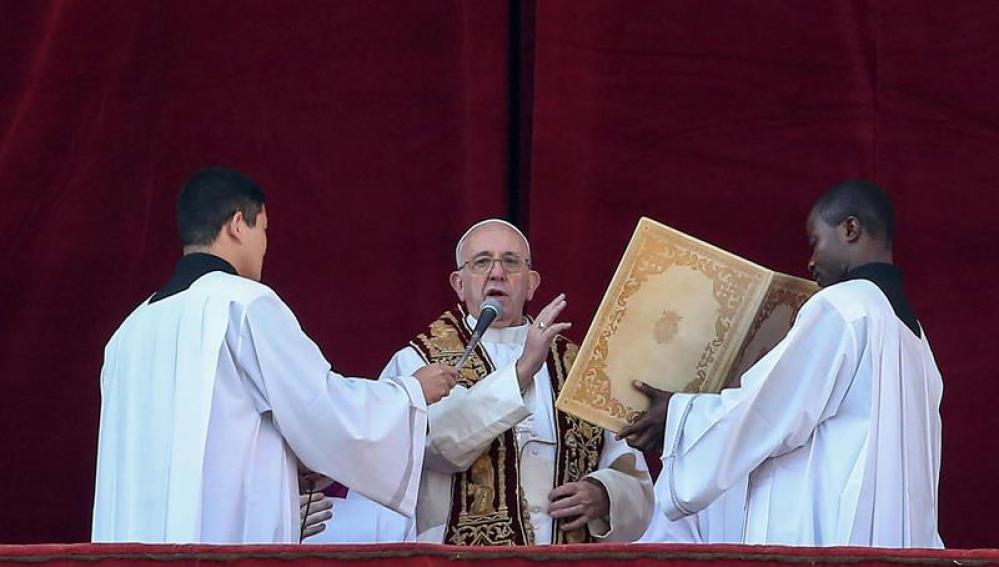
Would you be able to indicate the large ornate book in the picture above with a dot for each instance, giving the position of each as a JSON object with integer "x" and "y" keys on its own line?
{"x": 681, "y": 315}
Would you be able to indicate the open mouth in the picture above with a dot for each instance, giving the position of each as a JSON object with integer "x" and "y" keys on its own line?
{"x": 495, "y": 292}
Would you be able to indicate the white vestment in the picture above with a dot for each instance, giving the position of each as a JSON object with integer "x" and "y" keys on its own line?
{"x": 210, "y": 400}
{"x": 464, "y": 424}
{"x": 721, "y": 522}
{"x": 838, "y": 429}
{"x": 357, "y": 519}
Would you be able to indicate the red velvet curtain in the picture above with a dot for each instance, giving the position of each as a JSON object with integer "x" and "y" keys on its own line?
{"x": 728, "y": 118}
{"x": 381, "y": 129}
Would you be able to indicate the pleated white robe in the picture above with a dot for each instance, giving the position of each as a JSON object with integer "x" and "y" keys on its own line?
{"x": 838, "y": 429}
{"x": 721, "y": 522}
{"x": 210, "y": 400}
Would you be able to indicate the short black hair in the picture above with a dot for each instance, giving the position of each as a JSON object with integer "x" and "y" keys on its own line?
{"x": 210, "y": 198}
{"x": 861, "y": 199}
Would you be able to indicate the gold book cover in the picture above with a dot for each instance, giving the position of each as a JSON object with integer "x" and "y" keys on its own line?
{"x": 681, "y": 315}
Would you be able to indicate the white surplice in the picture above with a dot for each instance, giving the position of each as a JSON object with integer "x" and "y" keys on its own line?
{"x": 465, "y": 423}
{"x": 838, "y": 429}
{"x": 721, "y": 522}
{"x": 357, "y": 519}
{"x": 210, "y": 400}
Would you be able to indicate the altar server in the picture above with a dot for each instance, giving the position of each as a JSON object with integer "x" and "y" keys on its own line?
{"x": 838, "y": 427}
{"x": 213, "y": 397}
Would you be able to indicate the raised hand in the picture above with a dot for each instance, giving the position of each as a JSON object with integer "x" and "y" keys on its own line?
{"x": 539, "y": 339}
{"x": 436, "y": 380}
{"x": 647, "y": 433}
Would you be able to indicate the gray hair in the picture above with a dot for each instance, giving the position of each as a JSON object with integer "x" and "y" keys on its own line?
{"x": 459, "y": 248}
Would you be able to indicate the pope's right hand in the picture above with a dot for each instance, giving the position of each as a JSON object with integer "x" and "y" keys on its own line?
{"x": 436, "y": 380}
{"x": 540, "y": 335}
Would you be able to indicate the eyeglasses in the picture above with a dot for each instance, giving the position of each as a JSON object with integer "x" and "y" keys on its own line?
{"x": 511, "y": 264}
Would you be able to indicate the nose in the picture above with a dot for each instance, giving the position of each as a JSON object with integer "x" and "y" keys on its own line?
{"x": 496, "y": 271}
{"x": 811, "y": 266}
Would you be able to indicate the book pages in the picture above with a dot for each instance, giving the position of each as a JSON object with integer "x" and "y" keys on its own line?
{"x": 773, "y": 319}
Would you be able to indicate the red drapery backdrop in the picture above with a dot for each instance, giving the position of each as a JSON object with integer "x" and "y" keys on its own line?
{"x": 727, "y": 119}
{"x": 380, "y": 130}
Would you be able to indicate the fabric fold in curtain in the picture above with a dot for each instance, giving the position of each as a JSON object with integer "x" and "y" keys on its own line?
{"x": 381, "y": 130}
{"x": 378, "y": 130}
{"x": 728, "y": 119}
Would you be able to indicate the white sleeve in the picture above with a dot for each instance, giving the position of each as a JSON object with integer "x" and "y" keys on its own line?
{"x": 714, "y": 441}
{"x": 463, "y": 424}
{"x": 624, "y": 473}
{"x": 344, "y": 428}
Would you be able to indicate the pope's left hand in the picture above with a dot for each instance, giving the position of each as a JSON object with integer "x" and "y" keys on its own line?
{"x": 585, "y": 501}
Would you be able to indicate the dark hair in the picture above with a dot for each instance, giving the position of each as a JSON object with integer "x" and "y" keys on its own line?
{"x": 210, "y": 198}
{"x": 863, "y": 200}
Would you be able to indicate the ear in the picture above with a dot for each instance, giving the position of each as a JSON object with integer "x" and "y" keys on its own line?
{"x": 235, "y": 226}
{"x": 457, "y": 285}
{"x": 851, "y": 229}
{"x": 533, "y": 281}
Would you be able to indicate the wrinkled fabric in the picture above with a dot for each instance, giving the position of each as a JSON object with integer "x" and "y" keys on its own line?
{"x": 837, "y": 427}
{"x": 211, "y": 398}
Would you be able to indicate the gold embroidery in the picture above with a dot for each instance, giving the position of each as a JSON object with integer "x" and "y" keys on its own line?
{"x": 667, "y": 326}
{"x": 492, "y": 529}
{"x": 480, "y": 506}
{"x": 580, "y": 442}
{"x": 480, "y": 485}
{"x": 655, "y": 255}
{"x": 482, "y": 512}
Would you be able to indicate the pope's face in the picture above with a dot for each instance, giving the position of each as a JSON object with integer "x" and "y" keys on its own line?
{"x": 511, "y": 288}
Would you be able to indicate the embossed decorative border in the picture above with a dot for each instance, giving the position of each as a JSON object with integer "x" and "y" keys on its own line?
{"x": 654, "y": 249}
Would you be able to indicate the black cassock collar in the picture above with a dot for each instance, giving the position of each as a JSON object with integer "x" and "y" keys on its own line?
{"x": 189, "y": 268}
{"x": 888, "y": 278}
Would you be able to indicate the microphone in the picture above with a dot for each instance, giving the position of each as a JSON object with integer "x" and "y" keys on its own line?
{"x": 491, "y": 309}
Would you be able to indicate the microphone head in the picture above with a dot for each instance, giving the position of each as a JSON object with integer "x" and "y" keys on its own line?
{"x": 491, "y": 304}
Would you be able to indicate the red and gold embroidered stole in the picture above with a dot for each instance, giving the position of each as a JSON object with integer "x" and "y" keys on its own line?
{"x": 487, "y": 501}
